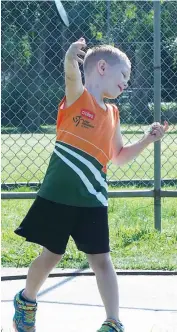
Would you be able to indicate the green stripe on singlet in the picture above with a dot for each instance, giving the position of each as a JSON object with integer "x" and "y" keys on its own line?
{"x": 69, "y": 181}
{"x": 85, "y": 155}
{"x": 78, "y": 156}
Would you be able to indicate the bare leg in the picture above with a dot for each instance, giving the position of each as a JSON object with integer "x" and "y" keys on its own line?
{"x": 38, "y": 273}
{"x": 107, "y": 283}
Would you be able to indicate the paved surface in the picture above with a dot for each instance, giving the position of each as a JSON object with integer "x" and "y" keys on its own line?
{"x": 73, "y": 304}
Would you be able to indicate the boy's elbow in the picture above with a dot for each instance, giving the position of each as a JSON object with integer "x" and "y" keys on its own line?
{"x": 117, "y": 159}
{"x": 118, "y": 162}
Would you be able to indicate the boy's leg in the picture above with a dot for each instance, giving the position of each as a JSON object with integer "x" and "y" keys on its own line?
{"x": 49, "y": 224}
{"x": 91, "y": 236}
{"x": 25, "y": 301}
{"x": 38, "y": 273}
{"x": 107, "y": 283}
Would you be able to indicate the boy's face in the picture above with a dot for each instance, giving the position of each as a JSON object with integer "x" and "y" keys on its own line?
{"x": 114, "y": 78}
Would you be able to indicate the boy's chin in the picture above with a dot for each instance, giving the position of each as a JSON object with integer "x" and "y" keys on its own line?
{"x": 112, "y": 96}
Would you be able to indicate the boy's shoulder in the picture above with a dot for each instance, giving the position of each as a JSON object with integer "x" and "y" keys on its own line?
{"x": 83, "y": 100}
{"x": 113, "y": 106}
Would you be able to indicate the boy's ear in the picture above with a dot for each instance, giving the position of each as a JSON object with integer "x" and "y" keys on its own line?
{"x": 101, "y": 66}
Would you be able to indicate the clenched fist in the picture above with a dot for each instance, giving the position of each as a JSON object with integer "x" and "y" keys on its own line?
{"x": 156, "y": 132}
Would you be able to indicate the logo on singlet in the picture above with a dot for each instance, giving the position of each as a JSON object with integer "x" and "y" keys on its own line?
{"x": 87, "y": 114}
{"x": 78, "y": 120}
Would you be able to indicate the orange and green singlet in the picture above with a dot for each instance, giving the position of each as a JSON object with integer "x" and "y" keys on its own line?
{"x": 76, "y": 174}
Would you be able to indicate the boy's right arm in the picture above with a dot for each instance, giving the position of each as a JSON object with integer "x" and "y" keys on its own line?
{"x": 73, "y": 80}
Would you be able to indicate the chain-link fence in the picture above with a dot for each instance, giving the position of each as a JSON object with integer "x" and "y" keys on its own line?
{"x": 34, "y": 43}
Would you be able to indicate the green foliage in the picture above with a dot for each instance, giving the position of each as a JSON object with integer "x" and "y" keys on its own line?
{"x": 25, "y": 50}
{"x": 34, "y": 43}
{"x": 165, "y": 107}
{"x": 168, "y": 111}
{"x": 172, "y": 48}
{"x": 130, "y": 11}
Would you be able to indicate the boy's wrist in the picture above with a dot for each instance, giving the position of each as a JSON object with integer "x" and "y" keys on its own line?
{"x": 145, "y": 140}
{"x": 68, "y": 56}
{"x": 71, "y": 63}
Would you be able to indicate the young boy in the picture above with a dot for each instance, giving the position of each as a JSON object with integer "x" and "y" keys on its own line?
{"x": 73, "y": 197}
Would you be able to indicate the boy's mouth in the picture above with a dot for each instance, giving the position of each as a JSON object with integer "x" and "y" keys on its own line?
{"x": 120, "y": 88}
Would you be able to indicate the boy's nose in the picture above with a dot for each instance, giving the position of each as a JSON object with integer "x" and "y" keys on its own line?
{"x": 125, "y": 85}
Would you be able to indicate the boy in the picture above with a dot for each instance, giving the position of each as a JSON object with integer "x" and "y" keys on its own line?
{"x": 73, "y": 197}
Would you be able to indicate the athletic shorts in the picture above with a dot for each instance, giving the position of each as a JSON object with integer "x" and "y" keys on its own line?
{"x": 50, "y": 225}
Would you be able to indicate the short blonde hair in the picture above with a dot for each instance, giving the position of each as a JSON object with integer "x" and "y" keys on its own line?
{"x": 109, "y": 53}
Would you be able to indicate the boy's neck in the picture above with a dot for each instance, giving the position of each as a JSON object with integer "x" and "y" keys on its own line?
{"x": 94, "y": 90}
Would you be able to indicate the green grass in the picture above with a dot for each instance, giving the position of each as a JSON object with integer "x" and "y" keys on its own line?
{"x": 134, "y": 242}
{"x": 25, "y": 157}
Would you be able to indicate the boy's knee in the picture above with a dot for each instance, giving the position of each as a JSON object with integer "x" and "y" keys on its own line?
{"x": 50, "y": 256}
{"x": 99, "y": 261}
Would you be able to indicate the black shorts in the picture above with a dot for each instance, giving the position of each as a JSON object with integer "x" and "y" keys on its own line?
{"x": 51, "y": 224}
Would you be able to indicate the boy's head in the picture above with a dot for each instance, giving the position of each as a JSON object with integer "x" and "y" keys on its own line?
{"x": 109, "y": 67}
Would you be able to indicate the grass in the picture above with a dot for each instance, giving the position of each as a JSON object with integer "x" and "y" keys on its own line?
{"x": 134, "y": 242}
{"x": 25, "y": 157}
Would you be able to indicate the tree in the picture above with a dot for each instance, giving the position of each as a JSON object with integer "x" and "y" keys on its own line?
{"x": 34, "y": 43}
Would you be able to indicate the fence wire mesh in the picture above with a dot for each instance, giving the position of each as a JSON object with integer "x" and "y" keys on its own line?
{"x": 34, "y": 43}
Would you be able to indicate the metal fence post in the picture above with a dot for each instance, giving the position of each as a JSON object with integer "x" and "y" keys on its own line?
{"x": 157, "y": 114}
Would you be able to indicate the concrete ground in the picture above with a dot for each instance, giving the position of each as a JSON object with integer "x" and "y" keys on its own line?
{"x": 73, "y": 304}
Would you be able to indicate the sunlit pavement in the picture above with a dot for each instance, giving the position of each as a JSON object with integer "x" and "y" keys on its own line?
{"x": 73, "y": 304}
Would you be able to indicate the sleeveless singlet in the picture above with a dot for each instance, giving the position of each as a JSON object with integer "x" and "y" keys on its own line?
{"x": 76, "y": 174}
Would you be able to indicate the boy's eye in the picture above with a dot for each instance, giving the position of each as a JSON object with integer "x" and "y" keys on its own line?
{"x": 124, "y": 75}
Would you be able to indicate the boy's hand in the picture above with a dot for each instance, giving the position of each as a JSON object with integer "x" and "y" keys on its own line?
{"x": 75, "y": 50}
{"x": 156, "y": 132}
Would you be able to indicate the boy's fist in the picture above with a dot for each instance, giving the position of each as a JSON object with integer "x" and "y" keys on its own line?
{"x": 156, "y": 132}
{"x": 75, "y": 50}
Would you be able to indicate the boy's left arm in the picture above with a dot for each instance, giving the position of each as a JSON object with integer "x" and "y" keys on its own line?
{"x": 123, "y": 154}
